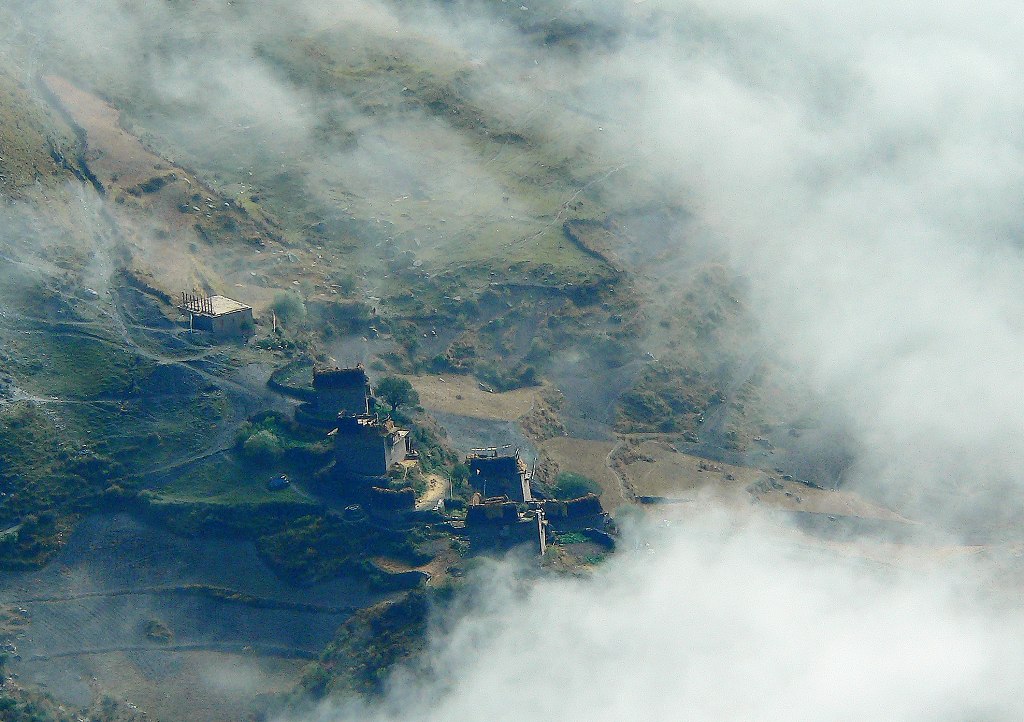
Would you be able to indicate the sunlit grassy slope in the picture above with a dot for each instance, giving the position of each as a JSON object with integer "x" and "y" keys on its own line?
{"x": 388, "y": 141}
{"x": 35, "y": 144}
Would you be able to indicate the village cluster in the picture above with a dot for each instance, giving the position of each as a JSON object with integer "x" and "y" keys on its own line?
{"x": 505, "y": 506}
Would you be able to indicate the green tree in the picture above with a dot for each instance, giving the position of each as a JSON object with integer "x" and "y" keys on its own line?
{"x": 397, "y": 392}
{"x": 569, "y": 485}
{"x": 316, "y": 680}
{"x": 263, "y": 447}
{"x": 460, "y": 473}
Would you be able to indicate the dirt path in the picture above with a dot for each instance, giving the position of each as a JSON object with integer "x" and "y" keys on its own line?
{"x": 219, "y": 593}
{"x": 437, "y": 487}
{"x": 264, "y": 650}
{"x": 628, "y": 493}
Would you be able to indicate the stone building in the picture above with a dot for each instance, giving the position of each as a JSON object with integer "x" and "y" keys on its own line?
{"x": 366, "y": 445}
{"x": 495, "y": 473}
{"x": 585, "y": 511}
{"x": 220, "y": 315}
{"x": 498, "y": 521}
{"x": 341, "y": 390}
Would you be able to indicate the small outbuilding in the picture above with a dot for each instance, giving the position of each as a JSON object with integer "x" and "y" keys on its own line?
{"x": 220, "y": 315}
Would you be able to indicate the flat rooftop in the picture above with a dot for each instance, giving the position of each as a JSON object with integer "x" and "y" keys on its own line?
{"x": 221, "y": 306}
{"x": 495, "y": 452}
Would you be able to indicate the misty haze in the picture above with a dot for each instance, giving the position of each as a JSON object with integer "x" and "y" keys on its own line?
{"x": 477, "y": 359}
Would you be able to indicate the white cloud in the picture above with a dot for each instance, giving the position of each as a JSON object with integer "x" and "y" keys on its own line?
{"x": 860, "y": 165}
{"x": 718, "y": 624}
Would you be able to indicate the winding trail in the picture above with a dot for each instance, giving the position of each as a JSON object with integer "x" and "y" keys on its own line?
{"x": 627, "y": 490}
{"x": 221, "y": 594}
{"x": 263, "y": 650}
{"x": 112, "y": 327}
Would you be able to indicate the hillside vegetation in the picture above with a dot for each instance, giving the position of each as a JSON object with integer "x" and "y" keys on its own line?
{"x": 36, "y": 145}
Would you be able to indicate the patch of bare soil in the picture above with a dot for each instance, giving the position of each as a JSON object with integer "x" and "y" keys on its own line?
{"x": 113, "y": 154}
{"x": 464, "y": 396}
{"x": 465, "y": 433}
{"x": 182, "y": 232}
{"x": 589, "y": 458}
{"x": 437, "y": 487}
{"x": 658, "y": 469}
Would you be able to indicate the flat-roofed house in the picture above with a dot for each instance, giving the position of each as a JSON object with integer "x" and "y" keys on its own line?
{"x": 366, "y": 445}
{"x": 218, "y": 314}
{"x": 496, "y": 471}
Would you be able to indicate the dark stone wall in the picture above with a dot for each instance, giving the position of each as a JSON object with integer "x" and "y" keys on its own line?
{"x": 331, "y": 402}
{"x": 484, "y": 514}
{"x": 227, "y": 325}
{"x": 500, "y": 476}
{"x": 589, "y": 505}
{"x": 392, "y": 499}
{"x": 362, "y": 452}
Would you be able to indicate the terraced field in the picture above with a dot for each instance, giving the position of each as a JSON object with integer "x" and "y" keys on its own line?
{"x": 223, "y": 609}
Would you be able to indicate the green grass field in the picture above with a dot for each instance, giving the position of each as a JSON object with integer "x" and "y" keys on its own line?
{"x": 226, "y": 480}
